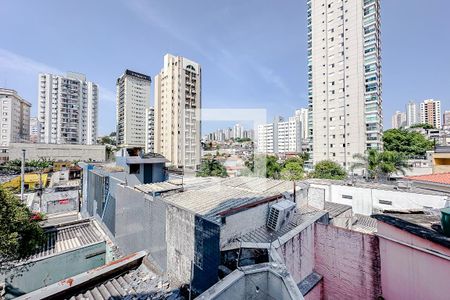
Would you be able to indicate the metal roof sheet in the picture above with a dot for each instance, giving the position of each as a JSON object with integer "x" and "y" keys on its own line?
{"x": 229, "y": 193}
{"x": 139, "y": 283}
{"x": 68, "y": 237}
{"x": 157, "y": 187}
{"x": 305, "y": 214}
{"x": 335, "y": 209}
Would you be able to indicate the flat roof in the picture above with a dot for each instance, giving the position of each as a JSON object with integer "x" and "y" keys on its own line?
{"x": 375, "y": 185}
{"x": 422, "y": 224}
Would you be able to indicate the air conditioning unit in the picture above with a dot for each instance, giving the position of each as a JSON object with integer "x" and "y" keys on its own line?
{"x": 280, "y": 214}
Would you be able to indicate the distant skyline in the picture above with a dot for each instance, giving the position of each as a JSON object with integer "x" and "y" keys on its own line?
{"x": 253, "y": 53}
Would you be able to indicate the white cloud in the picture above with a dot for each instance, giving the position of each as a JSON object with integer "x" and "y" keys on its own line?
{"x": 22, "y": 64}
{"x": 10, "y": 61}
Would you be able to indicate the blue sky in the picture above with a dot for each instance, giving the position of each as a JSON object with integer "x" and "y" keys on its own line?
{"x": 253, "y": 52}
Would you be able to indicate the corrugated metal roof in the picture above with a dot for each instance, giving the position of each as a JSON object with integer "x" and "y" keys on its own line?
{"x": 68, "y": 237}
{"x": 229, "y": 193}
{"x": 364, "y": 224}
{"x": 335, "y": 209}
{"x": 157, "y": 187}
{"x": 139, "y": 283}
{"x": 265, "y": 235}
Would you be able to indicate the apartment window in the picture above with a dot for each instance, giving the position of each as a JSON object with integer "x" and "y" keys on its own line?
{"x": 347, "y": 197}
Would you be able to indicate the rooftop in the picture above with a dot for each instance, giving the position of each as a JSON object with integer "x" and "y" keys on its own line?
{"x": 443, "y": 178}
{"x": 399, "y": 186}
{"x": 158, "y": 187}
{"x": 420, "y": 223}
{"x": 217, "y": 198}
{"x": 68, "y": 236}
{"x": 305, "y": 216}
{"x": 129, "y": 277}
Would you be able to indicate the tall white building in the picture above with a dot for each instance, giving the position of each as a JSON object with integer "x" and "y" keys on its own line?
{"x": 150, "y": 130}
{"x": 15, "y": 118}
{"x": 133, "y": 98}
{"x": 280, "y": 136}
{"x": 412, "y": 114}
{"x": 399, "y": 120}
{"x": 238, "y": 131}
{"x": 35, "y": 130}
{"x": 177, "y": 111}
{"x": 430, "y": 113}
{"x": 68, "y": 109}
{"x": 344, "y": 78}
{"x": 303, "y": 114}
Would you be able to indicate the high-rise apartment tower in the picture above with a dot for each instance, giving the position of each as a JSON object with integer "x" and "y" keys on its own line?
{"x": 177, "y": 111}
{"x": 344, "y": 78}
{"x": 15, "y": 118}
{"x": 430, "y": 113}
{"x": 133, "y": 99}
{"x": 68, "y": 109}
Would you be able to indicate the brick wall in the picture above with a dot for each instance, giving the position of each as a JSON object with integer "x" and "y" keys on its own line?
{"x": 349, "y": 262}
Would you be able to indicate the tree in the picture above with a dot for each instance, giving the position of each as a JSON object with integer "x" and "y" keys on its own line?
{"x": 212, "y": 167}
{"x": 327, "y": 169}
{"x": 263, "y": 166}
{"x": 292, "y": 169}
{"x": 107, "y": 140}
{"x": 409, "y": 143}
{"x": 422, "y": 125}
{"x": 20, "y": 233}
{"x": 380, "y": 164}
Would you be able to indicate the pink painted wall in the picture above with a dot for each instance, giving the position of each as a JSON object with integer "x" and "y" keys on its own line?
{"x": 349, "y": 262}
{"x": 407, "y": 273}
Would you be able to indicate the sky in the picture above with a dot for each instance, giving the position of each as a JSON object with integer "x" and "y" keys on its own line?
{"x": 253, "y": 53}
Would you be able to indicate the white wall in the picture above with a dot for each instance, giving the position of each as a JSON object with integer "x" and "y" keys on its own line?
{"x": 364, "y": 200}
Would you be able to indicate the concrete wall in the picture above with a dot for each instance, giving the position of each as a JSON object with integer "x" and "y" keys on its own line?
{"x": 252, "y": 284}
{"x": 140, "y": 224}
{"x": 349, "y": 262}
{"x": 316, "y": 293}
{"x": 180, "y": 229}
{"x": 58, "y": 151}
{"x": 365, "y": 200}
{"x": 408, "y": 273}
{"x": 298, "y": 254}
{"x": 244, "y": 222}
{"x": 51, "y": 269}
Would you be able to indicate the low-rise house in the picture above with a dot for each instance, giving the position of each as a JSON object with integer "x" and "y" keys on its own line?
{"x": 69, "y": 249}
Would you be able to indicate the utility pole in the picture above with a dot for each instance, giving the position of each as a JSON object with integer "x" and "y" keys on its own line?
{"x": 22, "y": 175}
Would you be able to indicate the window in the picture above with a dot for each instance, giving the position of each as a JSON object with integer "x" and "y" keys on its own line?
{"x": 385, "y": 202}
{"x": 134, "y": 168}
{"x": 347, "y": 197}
